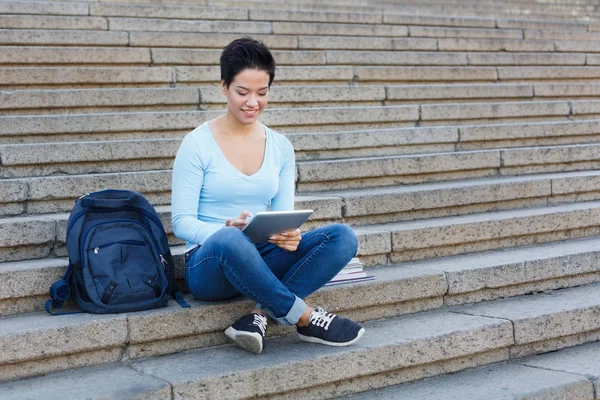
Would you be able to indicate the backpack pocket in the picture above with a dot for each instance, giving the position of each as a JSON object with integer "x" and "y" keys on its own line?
{"x": 121, "y": 264}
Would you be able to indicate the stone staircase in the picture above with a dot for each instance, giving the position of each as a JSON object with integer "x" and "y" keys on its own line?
{"x": 460, "y": 139}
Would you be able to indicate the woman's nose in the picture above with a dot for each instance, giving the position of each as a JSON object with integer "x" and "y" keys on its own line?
{"x": 252, "y": 101}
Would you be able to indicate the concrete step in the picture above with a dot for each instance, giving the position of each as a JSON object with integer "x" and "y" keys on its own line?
{"x": 354, "y": 173}
{"x": 424, "y": 38}
{"x": 54, "y": 193}
{"x": 23, "y": 129}
{"x": 80, "y": 76}
{"x": 50, "y": 77}
{"x": 74, "y": 101}
{"x": 466, "y": 278}
{"x": 457, "y": 338}
{"x": 556, "y": 375}
{"x": 75, "y": 55}
{"x": 262, "y": 14}
{"x": 119, "y": 126}
{"x": 470, "y": 215}
{"x": 77, "y": 101}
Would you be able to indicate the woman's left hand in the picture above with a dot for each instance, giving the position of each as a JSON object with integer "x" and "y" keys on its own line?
{"x": 287, "y": 240}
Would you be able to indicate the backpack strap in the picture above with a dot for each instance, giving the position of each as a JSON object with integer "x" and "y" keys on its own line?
{"x": 59, "y": 293}
{"x": 173, "y": 289}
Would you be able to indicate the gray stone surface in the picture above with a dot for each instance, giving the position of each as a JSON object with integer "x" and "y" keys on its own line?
{"x": 26, "y": 7}
{"x": 502, "y": 268}
{"x": 51, "y": 22}
{"x": 42, "y": 37}
{"x": 306, "y": 94}
{"x": 458, "y": 91}
{"x": 97, "y": 98}
{"x": 41, "y": 335}
{"x": 387, "y": 345}
{"x": 339, "y": 115}
{"x": 167, "y": 11}
{"x": 434, "y": 20}
{"x": 582, "y": 360}
{"x": 23, "y": 279}
{"x": 498, "y": 382}
{"x": 550, "y": 155}
{"x": 211, "y": 57}
{"x": 392, "y": 286}
{"x": 471, "y": 44}
{"x": 284, "y": 73}
{"x": 437, "y": 32}
{"x": 111, "y": 381}
{"x": 439, "y": 195}
{"x": 319, "y": 171}
{"x": 548, "y": 72}
{"x": 373, "y": 240}
{"x": 59, "y": 363}
{"x": 71, "y": 187}
{"x": 546, "y": 59}
{"x": 575, "y": 182}
{"x": 585, "y": 107}
{"x": 205, "y": 40}
{"x": 72, "y": 55}
{"x": 372, "y": 138}
{"x": 84, "y": 75}
{"x": 308, "y": 28}
{"x": 547, "y": 25}
{"x": 547, "y": 315}
{"x": 567, "y": 89}
{"x": 489, "y": 226}
{"x": 346, "y": 43}
{"x": 21, "y": 231}
{"x": 577, "y": 46}
{"x": 117, "y": 122}
{"x": 426, "y": 73}
{"x": 414, "y": 44}
{"x": 12, "y": 191}
{"x": 315, "y": 16}
{"x": 395, "y": 58}
{"x": 563, "y": 34}
{"x": 493, "y": 110}
{"x": 168, "y": 25}
{"x": 528, "y": 130}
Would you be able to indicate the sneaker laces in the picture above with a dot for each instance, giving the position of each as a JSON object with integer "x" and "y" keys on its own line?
{"x": 321, "y": 318}
{"x": 261, "y": 322}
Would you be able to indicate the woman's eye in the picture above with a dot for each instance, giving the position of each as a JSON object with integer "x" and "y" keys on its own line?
{"x": 242, "y": 94}
{"x": 262, "y": 94}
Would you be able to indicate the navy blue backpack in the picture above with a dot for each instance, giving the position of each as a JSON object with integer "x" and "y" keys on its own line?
{"x": 119, "y": 256}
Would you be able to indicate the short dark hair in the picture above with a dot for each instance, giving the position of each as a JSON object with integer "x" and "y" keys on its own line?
{"x": 246, "y": 53}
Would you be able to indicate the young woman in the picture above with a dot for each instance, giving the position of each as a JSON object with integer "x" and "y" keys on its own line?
{"x": 225, "y": 171}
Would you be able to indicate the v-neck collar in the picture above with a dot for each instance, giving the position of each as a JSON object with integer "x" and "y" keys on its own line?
{"x": 222, "y": 155}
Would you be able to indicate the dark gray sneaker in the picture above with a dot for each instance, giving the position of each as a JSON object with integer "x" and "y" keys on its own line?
{"x": 249, "y": 332}
{"x": 329, "y": 329}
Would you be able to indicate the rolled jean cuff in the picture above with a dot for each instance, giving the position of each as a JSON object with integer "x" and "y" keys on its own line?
{"x": 292, "y": 317}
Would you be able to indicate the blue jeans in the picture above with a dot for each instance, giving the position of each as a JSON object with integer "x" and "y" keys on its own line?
{"x": 229, "y": 264}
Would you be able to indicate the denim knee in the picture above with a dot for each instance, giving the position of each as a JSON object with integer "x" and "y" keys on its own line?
{"x": 345, "y": 234}
{"x": 228, "y": 239}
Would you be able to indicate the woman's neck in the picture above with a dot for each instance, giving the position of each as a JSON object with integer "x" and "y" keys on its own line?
{"x": 230, "y": 126}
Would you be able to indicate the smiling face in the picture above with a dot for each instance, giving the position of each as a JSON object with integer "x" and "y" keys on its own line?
{"x": 247, "y": 95}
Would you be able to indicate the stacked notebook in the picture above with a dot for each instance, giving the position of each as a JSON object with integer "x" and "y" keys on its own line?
{"x": 352, "y": 272}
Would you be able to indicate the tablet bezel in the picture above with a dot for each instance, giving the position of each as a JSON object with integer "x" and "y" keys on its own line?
{"x": 268, "y": 223}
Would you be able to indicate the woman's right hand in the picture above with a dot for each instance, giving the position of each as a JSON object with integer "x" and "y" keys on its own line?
{"x": 239, "y": 222}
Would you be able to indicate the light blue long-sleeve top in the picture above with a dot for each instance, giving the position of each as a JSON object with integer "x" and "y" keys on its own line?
{"x": 207, "y": 189}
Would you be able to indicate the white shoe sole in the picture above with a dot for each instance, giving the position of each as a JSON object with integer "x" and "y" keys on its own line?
{"x": 250, "y": 341}
{"x": 312, "y": 339}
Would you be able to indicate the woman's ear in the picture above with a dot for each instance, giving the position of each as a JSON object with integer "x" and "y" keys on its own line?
{"x": 223, "y": 88}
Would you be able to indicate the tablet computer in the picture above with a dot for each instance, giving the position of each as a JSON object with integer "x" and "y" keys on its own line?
{"x": 267, "y": 223}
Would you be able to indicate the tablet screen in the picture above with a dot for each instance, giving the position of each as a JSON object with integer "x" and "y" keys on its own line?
{"x": 268, "y": 223}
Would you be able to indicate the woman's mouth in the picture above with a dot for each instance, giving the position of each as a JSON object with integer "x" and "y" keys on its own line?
{"x": 250, "y": 113}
